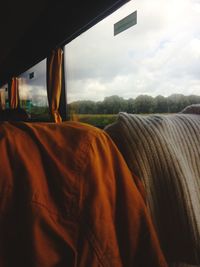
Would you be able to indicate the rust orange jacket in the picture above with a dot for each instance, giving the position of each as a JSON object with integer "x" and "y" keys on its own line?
{"x": 67, "y": 199}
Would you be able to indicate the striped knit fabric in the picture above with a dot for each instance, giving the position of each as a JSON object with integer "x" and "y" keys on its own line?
{"x": 192, "y": 109}
{"x": 164, "y": 151}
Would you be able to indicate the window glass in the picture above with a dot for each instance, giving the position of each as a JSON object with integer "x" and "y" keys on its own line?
{"x": 4, "y": 101}
{"x": 33, "y": 92}
{"x": 152, "y": 67}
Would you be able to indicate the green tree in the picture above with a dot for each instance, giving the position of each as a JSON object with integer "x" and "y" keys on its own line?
{"x": 130, "y": 105}
{"x": 193, "y": 99}
{"x": 160, "y": 104}
{"x": 177, "y": 102}
{"x": 114, "y": 104}
{"x": 143, "y": 104}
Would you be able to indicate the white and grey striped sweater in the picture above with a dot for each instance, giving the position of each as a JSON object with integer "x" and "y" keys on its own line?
{"x": 164, "y": 151}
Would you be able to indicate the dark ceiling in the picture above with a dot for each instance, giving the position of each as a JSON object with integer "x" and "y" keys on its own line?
{"x": 30, "y": 29}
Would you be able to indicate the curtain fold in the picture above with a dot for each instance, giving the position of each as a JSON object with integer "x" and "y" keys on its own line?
{"x": 54, "y": 83}
{"x": 2, "y": 100}
{"x": 14, "y": 93}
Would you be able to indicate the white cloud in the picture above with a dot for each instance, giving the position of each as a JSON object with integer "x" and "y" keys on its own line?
{"x": 159, "y": 55}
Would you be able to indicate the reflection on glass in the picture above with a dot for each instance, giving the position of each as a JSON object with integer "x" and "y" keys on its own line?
{"x": 152, "y": 67}
{"x": 4, "y": 101}
{"x": 33, "y": 92}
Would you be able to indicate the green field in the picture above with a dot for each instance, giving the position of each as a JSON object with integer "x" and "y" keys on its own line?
{"x": 101, "y": 120}
{"x": 98, "y": 120}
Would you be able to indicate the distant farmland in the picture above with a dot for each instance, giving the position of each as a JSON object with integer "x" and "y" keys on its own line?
{"x": 104, "y": 112}
{"x": 101, "y": 120}
{"x": 98, "y": 120}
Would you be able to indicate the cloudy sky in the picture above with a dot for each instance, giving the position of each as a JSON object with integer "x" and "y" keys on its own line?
{"x": 159, "y": 55}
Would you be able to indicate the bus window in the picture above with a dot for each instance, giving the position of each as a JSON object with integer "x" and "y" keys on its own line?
{"x": 33, "y": 92}
{"x": 151, "y": 67}
{"x": 4, "y": 101}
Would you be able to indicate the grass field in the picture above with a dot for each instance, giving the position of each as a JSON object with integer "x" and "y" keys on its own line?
{"x": 98, "y": 120}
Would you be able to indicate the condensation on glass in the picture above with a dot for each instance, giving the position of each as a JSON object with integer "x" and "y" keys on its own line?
{"x": 4, "y": 100}
{"x": 152, "y": 67}
{"x": 33, "y": 92}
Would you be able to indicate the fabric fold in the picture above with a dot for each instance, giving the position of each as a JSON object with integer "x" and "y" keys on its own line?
{"x": 14, "y": 93}
{"x": 67, "y": 198}
{"x": 164, "y": 152}
{"x": 54, "y": 83}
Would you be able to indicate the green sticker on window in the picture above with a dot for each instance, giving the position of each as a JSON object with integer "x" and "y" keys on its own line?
{"x": 125, "y": 23}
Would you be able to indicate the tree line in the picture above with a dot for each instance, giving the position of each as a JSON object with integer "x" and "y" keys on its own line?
{"x": 141, "y": 104}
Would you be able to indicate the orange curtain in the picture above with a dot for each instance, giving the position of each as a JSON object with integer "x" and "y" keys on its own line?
{"x": 2, "y": 100}
{"x": 14, "y": 100}
{"x": 54, "y": 82}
